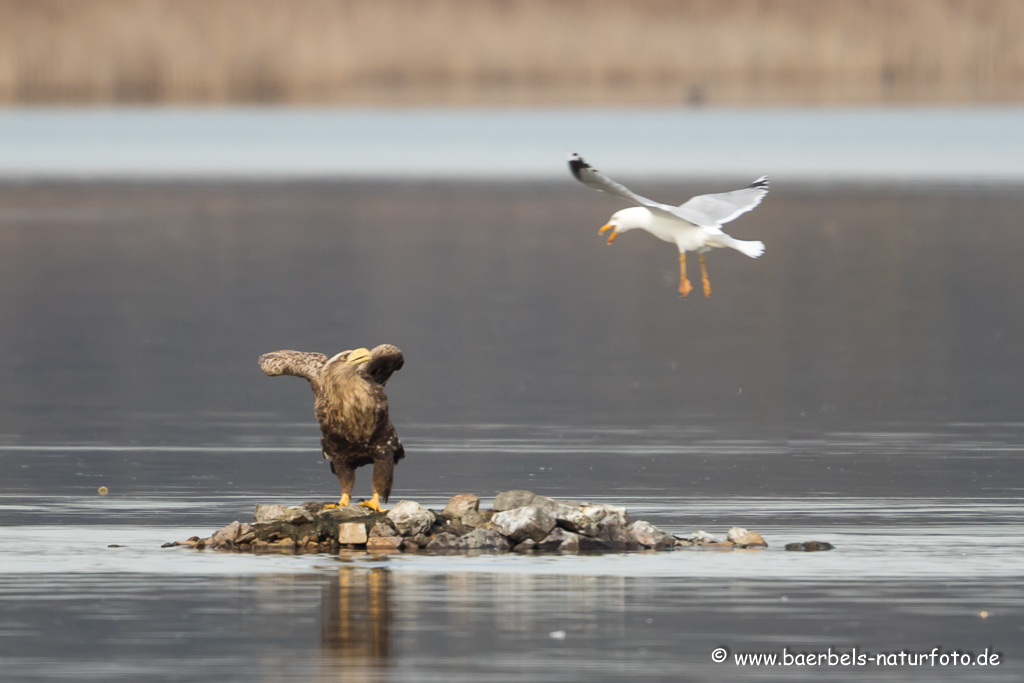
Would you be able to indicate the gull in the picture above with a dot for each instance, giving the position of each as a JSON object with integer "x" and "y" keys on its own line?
{"x": 693, "y": 226}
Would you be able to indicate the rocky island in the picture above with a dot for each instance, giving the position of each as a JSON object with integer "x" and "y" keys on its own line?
{"x": 520, "y": 521}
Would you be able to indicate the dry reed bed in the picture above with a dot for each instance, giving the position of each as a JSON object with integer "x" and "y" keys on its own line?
{"x": 511, "y": 51}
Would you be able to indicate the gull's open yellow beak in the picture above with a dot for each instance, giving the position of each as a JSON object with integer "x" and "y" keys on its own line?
{"x": 611, "y": 237}
{"x": 359, "y": 356}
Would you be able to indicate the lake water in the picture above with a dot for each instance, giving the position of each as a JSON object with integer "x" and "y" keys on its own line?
{"x": 859, "y": 384}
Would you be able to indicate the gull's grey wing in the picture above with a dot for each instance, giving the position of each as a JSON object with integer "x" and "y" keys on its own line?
{"x": 591, "y": 177}
{"x": 295, "y": 363}
{"x": 725, "y": 206}
{"x": 387, "y": 360}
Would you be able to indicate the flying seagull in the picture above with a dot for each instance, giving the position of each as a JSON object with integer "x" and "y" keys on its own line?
{"x": 352, "y": 410}
{"x": 693, "y": 226}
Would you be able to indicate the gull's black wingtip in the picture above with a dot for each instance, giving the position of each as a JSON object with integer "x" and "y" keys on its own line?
{"x": 576, "y": 165}
{"x": 760, "y": 184}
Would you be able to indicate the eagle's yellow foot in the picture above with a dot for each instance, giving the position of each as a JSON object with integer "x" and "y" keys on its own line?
{"x": 330, "y": 506}
{"x": 373, "y": 504}
{"x": 344, "y": 502}
{"x": 704, "y": 277}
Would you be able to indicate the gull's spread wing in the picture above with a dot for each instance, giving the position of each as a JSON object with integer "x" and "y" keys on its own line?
{"x": 725, "y": 206}
{"x": 387, "y": 360}
{"x": 706, "y": 210}
{"x": 591, "y": 177}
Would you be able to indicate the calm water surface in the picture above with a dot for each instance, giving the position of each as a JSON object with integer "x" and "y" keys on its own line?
{"x": 860, "y": 384}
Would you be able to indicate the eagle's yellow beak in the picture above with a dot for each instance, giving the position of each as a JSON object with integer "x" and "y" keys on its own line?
{"x": 611, "y": 237}
{"x": 359, "y": 356}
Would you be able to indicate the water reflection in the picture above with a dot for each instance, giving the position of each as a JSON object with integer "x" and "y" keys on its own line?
{"x": 355, "y": 628}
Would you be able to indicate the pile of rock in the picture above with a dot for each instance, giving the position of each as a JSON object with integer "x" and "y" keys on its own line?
{"x": 520, "y": 521}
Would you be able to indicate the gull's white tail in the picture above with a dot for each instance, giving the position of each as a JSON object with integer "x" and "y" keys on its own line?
{"x": 751, "y": 249}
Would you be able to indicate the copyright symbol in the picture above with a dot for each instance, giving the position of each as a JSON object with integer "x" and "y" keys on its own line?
{"x": 719, "y": 654}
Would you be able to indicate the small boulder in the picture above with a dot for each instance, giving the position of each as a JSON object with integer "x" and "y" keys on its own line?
{"x": 477, "y": 518}
{"x": 509, "y": 500}
{"x": 650, "y": 536}
{"x": 744, "y": 538}
{"x": 382, "y": 528}
{"x": 810, "y": 546}
{"x": 526, "y": 546}
{"x": 618, "y": 537}
{"x": 384, "y": 544}
{"x": 441, "y": 542}
{"x": 460, "y": 504}
{"x": 410, "y": 518}
{"x": 280, "y": 513}
{"x": 352, "y": 533}
{"x": 701, "y": 538}
{"x": 484, "y": 539}
{"x": 560, "y": 539}
{"x": 519, "y": 524}
{"x": 227, "y": 535}
{"x": 328, "y": 521}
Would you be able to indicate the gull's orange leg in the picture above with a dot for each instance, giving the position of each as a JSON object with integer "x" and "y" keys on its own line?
{"x": 684, "y": 285}
{"x": 704, "y": 277}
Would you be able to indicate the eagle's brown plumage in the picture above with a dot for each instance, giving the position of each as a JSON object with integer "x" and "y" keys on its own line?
{"x": 351, "y": 408}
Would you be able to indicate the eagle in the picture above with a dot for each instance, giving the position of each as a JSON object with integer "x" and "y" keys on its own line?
{"x": 352, "y": 410}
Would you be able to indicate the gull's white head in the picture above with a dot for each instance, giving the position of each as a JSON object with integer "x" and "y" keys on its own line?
{"x": 627, "y": 219}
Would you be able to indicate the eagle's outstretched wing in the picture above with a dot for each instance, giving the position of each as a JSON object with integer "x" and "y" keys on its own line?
{"x": 387, "y": 360}
{"x": 296, "y": 363}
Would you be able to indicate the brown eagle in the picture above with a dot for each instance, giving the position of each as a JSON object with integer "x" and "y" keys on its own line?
{"x": 352, "y": 411}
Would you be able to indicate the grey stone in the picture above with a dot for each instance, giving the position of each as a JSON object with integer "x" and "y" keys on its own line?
{"x": 522, "y": 523}
{"x": 442, "y": 541}
{"x": 509, "y": 500}
{"x": 328, "y": 521}
{"x": 384, "y": 544}
{"x": 477, "y": 518}
{"x": 744, "y": 538}
{"x": 484, "y": 539}
{"x": 410, "y": 518}
{"x": 280, "y": 513}
{"x": 560, "y": 539}
{"x": 650, "y": 536}
{"x": 352, "y": 533}
{"x": 460, "y": 504}
{"x": 382, "y": 528}
{"x": 420, "y": 540}
{"x": 526, "y": 546}
{"x": 702, "y": 538}
{"x": 227, "y": 535}
{"x": 445, "y": 524}
{"x": 619, "y": 537}
{"x": 594, "y": 544}
{"x": 810, "y": 546}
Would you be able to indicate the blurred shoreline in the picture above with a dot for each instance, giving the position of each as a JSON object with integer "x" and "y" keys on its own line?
{"x": 950, "y": 144}
{"x": 521, "y": 52}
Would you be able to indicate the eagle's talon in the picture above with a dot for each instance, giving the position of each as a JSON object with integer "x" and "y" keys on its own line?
{"x": 373, "y": 504}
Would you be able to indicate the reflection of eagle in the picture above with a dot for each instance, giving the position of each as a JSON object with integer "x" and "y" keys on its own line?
{"x": 352, "y": 410}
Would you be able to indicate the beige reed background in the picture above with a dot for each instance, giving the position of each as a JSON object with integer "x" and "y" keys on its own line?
{"x": 511, "y": 52}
